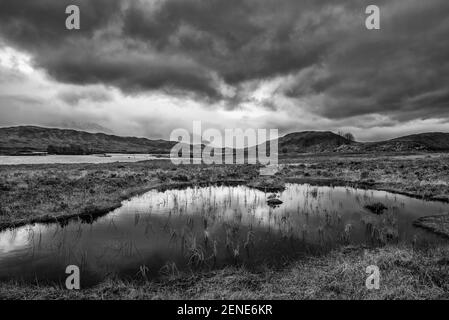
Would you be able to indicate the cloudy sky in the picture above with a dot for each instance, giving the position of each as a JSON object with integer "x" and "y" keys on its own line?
{"x": 146, "y": 67}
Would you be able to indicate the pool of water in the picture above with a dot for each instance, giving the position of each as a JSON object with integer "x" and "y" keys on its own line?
{"x": 60, "y": 159}
{"x": 201, "y": 228}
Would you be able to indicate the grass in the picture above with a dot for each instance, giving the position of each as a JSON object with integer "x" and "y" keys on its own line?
{"x": 421, "y": 176}
{"x": 405, "y": 273}
{"x": 437, "y": 224}
{"x": 48, "y": 193}
{"x": 33, "y": 193}
{"x": 40, "y": 193}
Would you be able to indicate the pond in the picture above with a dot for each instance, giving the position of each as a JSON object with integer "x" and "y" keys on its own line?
{"x": 163, "y": 233}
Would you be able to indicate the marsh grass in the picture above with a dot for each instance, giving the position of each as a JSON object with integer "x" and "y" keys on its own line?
{"x": 48, "y": 193}
{"x": 51, "y": 192}
{"x": 406, "y": 273}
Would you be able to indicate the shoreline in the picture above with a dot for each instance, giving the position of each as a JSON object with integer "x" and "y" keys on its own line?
{"x": 68, "y": 191}
{"x": 123, "y": 174}
{"x": 406, "y": 273}
{"x": 90, "y": 214}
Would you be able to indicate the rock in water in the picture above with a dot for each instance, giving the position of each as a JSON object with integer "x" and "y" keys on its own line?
{"x": 376, "y": 208}
{"x": 274, "y": 202}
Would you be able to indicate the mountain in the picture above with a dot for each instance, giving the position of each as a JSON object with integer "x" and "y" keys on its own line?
{"x": 326, "y": 142}
{"x": 312, "y": 142}
{"x": 91, "y": 127}
{"x": 430, "y": 141}
{"x": 25, "y": 139}
{"x": 316, "y": 142}
{"x": 16, "y": 140}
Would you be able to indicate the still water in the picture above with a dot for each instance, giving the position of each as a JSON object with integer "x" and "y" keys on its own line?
{"x": 201, "y": 228}
{"x": 59, "y": 159}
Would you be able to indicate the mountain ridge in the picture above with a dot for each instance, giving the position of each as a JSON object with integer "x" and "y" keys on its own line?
{"x": 38, "y": 139}
{"x": 27, "y": 139}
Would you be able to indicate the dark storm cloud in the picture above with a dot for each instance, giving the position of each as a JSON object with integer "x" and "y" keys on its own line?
{"x": 241, "y": 40}
{"x": 401, "y": 70}
{"x": 206, "y": 47}
{"x": 40, "y": 25}
{"x": 99, "y": 52}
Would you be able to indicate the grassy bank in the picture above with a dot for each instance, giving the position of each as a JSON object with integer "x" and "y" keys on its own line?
{"x": 405, "y": 273}
{"x": 48, "y": 193}
{"x": 43, "y": 193}
{"x": 36, "y": 193}
{"x": 437, "y": 224}
{"x": 421, "y": 176}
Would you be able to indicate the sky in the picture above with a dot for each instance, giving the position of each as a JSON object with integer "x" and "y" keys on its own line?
{"x": 146, "y": 67}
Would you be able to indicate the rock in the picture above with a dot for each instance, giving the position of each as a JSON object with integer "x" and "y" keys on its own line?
{"x": 274, "y": 202}
{"x": 377, "y": 208}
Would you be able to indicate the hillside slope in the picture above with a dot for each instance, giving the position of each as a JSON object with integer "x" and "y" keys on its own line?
{"x": 430, "y": 141}
{"x": 15, "y": 140}
{"x": 312, "y": 142}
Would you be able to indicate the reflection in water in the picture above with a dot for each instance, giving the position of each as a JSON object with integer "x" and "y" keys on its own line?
{"x": 198, "y": 228}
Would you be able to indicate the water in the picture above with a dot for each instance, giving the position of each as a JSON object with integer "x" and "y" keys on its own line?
{"x": 203, "y": 228}
{"x": 113, "y": 157}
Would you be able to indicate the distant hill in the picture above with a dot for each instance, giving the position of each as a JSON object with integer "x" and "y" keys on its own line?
{"x": 312, "y": 142}
{"x": 91, "y": 127}
{"x": 25, "y": 139}
{"x": 318, "y": 142}
{"x": 16, "y": 140}
{"x": 430, "y": 141}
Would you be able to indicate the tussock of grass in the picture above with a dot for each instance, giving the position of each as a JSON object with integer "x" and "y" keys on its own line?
{"x": 406, "y": 273}
{"x": 437, "y": 224}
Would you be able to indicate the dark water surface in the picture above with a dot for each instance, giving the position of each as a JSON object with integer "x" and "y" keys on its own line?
{"x": 201, "y": 228}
